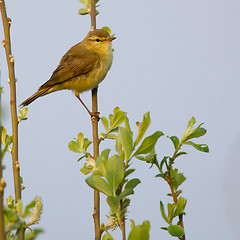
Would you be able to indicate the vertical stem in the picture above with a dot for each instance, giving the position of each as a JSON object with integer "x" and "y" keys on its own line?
{"x": 96, "y": 213}
{"x": 123, "y": 228}
{"x": 12, "y": 80}
{"x": 2, "y": 183}
{"x": 93, "y": 14}
{"x": 169, "y": 181}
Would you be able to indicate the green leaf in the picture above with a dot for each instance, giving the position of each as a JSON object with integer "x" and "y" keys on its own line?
{"x": 86, "y": 144}
{"x": 27, "y": 209}
{"x": 107, "y": 236}
{"x": 150, "y": 158}
{"x": 105, "y": 153}
{"x": 125, "y": 203}
{"x": 32, "y": 235}
{"x": 142, "y": 128}
{"x": 132, "y": 224}
{"x": 74, "y": 146}
{"x": 81, "y": 139}
{"x": 198, "y": 132}
{"x": 164, "y": 160}
{"x": 83, "y": 1}
{"x": 164, "y": 228}
{"x": 101, "y": 165}
{"x": 114, "y": 204}
{"x": 105, "y": 123}
{"x": 115, "y": 110}
{"x": 118, "y": 145}
{"x": 83, "y": 11}
{"x": 110, "y": 118}
{"x": 115, "y": 172}
{"x": 10, "y": 214}
{"x": 189, "y": 128}
{"x": 177, "y": 178}
{"x": 107, "y": 29}
{"x": 128, "y": 172}
{"x": 170, "y": 211}
{"x": 140, "y": 232}
{"x": 180, "y": 206}
{"x": 132, "y": 183}
{"x": 22, "y": 114}
{"x": 127, "y": 124}
{"x": 4, "y": 135}
{"x": 199, "y": 147}
{"x": 179, "y": 154}
{"x": 148, "y": 143}
{"x": 175, "y": 230}
{"x": 126, "y": 141}
{"x": 118, "y": 118}
{"x": 99, "y": 184}
{"x": 175, "y": 141}
{"x": 163, "y": 212}
{"x": 110, "y": 136}
{"x": 126, "y": 192}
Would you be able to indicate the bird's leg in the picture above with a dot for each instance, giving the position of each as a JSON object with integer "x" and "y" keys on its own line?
{"x": 92, "y": 114}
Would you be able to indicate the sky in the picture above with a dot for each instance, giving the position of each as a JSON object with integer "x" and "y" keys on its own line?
{"x": 176, "y": 59}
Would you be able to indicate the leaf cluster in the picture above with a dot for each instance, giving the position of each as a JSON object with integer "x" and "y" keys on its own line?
{"x": 110, "y": 174}
{"x": 174, "y": 179}
{"x": 16, "y": 217}
{"x": 87, "y": 7}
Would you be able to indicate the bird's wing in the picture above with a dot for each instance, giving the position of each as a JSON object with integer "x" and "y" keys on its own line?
{"x": 75, "y": 62}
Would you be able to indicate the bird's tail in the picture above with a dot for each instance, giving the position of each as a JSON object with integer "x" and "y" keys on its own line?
{"x": 39, "y": 93}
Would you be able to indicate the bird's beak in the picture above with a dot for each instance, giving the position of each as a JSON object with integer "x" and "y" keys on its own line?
{"x": 111, "y": 39}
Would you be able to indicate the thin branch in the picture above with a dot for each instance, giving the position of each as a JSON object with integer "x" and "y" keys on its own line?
{"x": 175, "y": 198}
{"x": 123, "y": 227}
{"x": 12, "y": 80}
{"x": 93, "y": 14}
{"x": 96, "y": 213}
{"x": 2, "y": 183}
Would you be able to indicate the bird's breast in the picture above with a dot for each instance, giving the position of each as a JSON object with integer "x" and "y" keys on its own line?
{"x": 91, "y": 79}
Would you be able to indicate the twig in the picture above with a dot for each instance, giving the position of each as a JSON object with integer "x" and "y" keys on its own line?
{"x": 175, "y": 198}
{"x": 93, "y": 14}
{"x": 96, "y": 213}
{"x": 2, "y": 183}
{"x": 12, "y": 80}
{"x": 123, "y": 227}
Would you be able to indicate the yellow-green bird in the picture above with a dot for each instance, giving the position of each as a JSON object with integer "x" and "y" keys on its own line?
{"x": 82, "y": 68}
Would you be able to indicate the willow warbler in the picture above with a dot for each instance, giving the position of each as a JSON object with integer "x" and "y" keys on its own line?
{"x": 82, "y": 68}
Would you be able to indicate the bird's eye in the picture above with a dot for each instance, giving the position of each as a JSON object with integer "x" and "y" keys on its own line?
{"x": 98, "y": 39}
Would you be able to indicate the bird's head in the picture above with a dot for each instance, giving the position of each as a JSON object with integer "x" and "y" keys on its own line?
{"x": 99, "y": 40}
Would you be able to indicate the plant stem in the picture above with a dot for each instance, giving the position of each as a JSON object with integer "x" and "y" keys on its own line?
{"x": 123, "y": 227}
{"x": 93, "y": 14}
{"x": 175, "y": 198}
{"x": 96, "y": 213}
{"x": 2, "y": 184}
{"x": 12, "y": 80}
{"x": 169, "y": 181}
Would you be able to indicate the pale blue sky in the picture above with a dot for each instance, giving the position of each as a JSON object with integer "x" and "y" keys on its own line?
{"x": 176, "y": 59}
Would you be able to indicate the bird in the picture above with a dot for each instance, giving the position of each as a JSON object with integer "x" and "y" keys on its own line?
{"x": 82, "y": 68}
